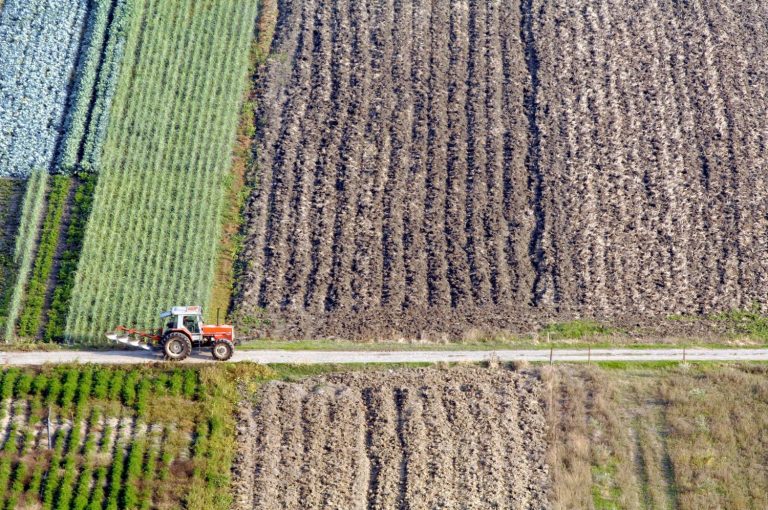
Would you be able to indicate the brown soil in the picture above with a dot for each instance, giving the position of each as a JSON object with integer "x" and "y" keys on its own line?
{"x": 436, "y": 162}
{"x": 417, "y": 439}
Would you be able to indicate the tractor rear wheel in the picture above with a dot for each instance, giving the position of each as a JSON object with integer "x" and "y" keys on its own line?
{"x": 176, "y": 346}
{"x": 223, "y": 349}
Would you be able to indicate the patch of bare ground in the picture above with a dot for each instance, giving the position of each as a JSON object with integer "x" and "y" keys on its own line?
{"x": 435, "y": 168}
{"x": 416, "y": 438}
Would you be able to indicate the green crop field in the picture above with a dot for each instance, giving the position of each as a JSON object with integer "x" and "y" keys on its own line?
{"x": 151, "y": 240}
{"x": 92, "y": 437}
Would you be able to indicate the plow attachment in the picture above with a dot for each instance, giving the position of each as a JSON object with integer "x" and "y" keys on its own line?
{"x": 133, "y": 338}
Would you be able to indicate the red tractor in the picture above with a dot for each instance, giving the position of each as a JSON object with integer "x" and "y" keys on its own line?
{"x": 182, "y": 328}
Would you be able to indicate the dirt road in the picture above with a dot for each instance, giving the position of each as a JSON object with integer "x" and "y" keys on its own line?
{"x": 561, "y": 355}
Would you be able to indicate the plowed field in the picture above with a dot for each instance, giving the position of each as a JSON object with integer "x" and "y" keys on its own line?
{"x": 444, "y": 165}
{"x": 417, "y": 439}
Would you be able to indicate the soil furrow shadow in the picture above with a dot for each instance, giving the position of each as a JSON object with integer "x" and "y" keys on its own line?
{"x": 400, "y": 396}
{"x": 373, "y": 459}
{"x": 532, "y": 160}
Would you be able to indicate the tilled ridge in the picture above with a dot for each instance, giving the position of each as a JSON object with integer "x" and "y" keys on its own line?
{"x": 415, "y": 439}
{"x": 463, "y": 159}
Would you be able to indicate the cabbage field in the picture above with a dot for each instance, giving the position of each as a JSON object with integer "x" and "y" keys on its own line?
{"x": 39, "y": 42}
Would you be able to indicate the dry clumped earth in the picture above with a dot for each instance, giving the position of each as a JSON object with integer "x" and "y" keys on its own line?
{"x": 416, "y": 439}
{"x": 473, "y": 160}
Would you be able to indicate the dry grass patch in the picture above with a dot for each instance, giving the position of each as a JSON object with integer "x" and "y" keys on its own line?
{"x": 689, "y": 437}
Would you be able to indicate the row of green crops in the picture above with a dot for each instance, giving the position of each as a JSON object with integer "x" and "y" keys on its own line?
{"x": 62, "y": 294}
{"x": 29, "y": 322}
{"x": 38, "y": 297}
{"x": 119, "y": 438}
{"x": 98, "y": 72}
{"x": 26, "y": 239}
{"x": 151, "y": 241}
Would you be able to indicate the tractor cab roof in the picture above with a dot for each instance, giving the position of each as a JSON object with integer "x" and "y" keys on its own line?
{"x": 183, "y": 310}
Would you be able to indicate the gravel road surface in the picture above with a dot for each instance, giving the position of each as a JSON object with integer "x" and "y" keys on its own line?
{"x": 563, "y": 355}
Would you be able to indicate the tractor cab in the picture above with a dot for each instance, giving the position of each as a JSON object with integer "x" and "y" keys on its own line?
{"x": 188, "y": 319}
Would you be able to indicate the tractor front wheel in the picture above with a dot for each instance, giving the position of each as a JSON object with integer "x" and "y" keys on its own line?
{"x": 177, "y": 346}
{"x": 222, "y": 350}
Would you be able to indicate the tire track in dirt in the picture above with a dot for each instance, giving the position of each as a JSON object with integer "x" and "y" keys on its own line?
{"x": 717, "y": 73}
{"x": 459, "y": 418}
{"x": 347, "y": 182}
{"x": 379, "y": 130}
{"x": 366, "y": 266}
{"x": 582, "y": 122}
{"x": 745, "y": 18}
{"x": 476, "y": 188}
{"x": 536, "y": 249}
{"x": 384, "y": 450}
{"x": 558, "y": 142}
{"x": 414, "y": 248}
{"x": 517, "y": 199}
{"x": 676, "y": 189}
{"x": 629, "y": 181}
{"x": 283, "y": 174}
{"x": 712, "y": 132}
{"x": 738, "y": 105}
{"x": 613, "y": 206}
{"x": 656, "y": 155}
{"x": 441, "y": 479}
{"x": 291, "y": 435}
{"x": 597, "y": 162}
{"x": 266, "y": 453}
{"x": 325, "y": 192}
{"x": 394, "y": 233}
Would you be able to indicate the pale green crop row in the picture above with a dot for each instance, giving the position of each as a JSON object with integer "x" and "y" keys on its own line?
{"x": 152, "y": 238}
{"x": 26, "y": 239}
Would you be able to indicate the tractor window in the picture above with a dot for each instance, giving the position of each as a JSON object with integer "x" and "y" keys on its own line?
{"x": 191, "y": 323}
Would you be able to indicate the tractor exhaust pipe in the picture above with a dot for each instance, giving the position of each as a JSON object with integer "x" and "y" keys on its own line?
{"x": 217, "y": 315}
